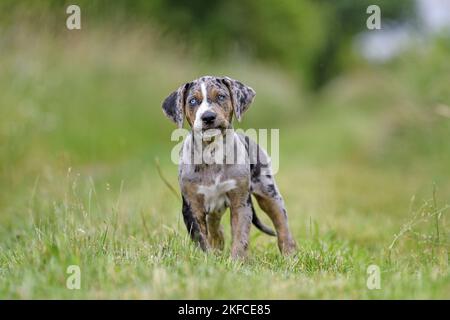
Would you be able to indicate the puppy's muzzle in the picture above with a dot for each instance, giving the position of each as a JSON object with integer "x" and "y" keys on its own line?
{"x": 208, "y": 118}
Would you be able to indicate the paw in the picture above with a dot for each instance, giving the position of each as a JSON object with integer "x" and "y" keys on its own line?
{"x": 217, "y": 243}
{"x": 288, "y": 247}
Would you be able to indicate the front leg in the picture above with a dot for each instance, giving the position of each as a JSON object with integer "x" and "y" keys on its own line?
{"x": 195, "y": 221}
{"x": 215, "y": 230}
{"x": 241, "y": 221}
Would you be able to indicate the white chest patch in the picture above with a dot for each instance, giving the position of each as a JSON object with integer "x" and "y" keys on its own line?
{"x": 215, "y": 198}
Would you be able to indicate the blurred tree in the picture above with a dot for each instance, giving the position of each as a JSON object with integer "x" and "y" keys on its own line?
{"x": 310, "y": 39}
{"x": 347, "y": 18}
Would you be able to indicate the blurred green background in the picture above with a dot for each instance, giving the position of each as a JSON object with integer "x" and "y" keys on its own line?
{"x": 364, "y": 119}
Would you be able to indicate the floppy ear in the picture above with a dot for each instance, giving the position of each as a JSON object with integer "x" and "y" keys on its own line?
{"x": 241, "y": 96}
{"x": 173, "y": 105}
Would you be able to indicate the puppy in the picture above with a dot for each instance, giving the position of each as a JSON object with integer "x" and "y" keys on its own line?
{"x": 221, "y": 169}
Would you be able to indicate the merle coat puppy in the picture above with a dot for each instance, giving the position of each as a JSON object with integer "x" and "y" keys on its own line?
{"x": 222, "y": 169}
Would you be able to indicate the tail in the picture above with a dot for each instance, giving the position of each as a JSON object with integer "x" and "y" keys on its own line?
{"x": 258, "y": 224}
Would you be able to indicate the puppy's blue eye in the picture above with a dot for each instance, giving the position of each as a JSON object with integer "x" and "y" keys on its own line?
{"x": 193, "y": 102}
{"x": 221, "y": 97}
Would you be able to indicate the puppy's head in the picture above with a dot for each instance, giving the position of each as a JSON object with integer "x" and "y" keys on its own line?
{"x": 208, "y": 103}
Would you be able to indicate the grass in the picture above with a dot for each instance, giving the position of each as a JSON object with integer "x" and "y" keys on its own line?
{"x": 364, "y": 173}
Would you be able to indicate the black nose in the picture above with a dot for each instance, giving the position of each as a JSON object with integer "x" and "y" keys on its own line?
{"x": 208, "y": 117}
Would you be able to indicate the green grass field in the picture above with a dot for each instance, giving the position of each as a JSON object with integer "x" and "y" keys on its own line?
{"x": 365, "y": 168}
